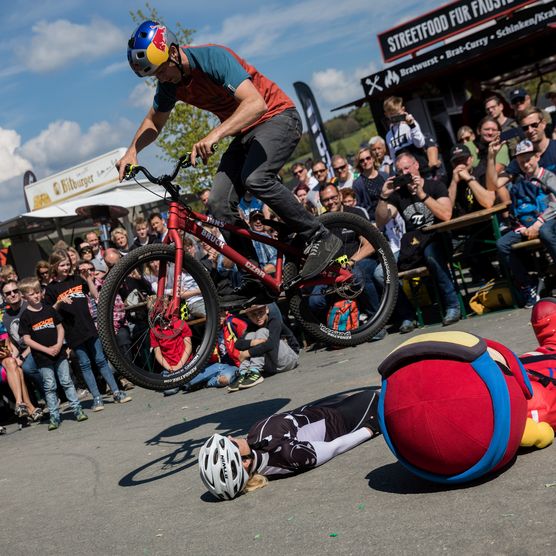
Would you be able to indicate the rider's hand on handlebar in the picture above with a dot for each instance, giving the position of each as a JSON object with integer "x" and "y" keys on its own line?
{"x": 204, "y": 148}
{"x": 123, "y": 162}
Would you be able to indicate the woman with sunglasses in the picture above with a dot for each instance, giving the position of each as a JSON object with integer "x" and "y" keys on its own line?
{"x": 287, "y": 443}
{"x": 42, "y": 272}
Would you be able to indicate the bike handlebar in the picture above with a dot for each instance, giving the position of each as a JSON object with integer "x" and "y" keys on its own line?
{"x": 165, "y": 180}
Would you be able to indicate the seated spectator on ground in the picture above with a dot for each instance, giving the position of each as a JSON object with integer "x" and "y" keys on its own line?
{"x": 266, "y": 254}
{"x": 381, "y": 159}
{"x": 158, "y": 226}
{"x": 268, "y": 346}
{"x": 488, "y": 131}
{"x": 368, "y": 185}
{"x": 42, "y": 272}
{"x": 420, "y": 202}
{"x": 12, "y": 373}
{"x": 465, "y": 134}
{"x": 120, "y": 240}
{"x": 343, "y": 172}
{"x": 532, "y": 192}
{"x": 494, "y": 107}
{"x": 94, "y": 241}
{"x": 142, "y": 234}
{"x": 223, "y": 367}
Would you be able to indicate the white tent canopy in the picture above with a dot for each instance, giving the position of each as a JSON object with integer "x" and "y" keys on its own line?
{"x": 124, "y": 196}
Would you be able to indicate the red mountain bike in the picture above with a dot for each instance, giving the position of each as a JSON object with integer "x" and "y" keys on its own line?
{"x": 161, "y": 283}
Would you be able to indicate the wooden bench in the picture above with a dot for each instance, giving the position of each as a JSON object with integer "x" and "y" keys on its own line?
{"x": 528, "y": 244}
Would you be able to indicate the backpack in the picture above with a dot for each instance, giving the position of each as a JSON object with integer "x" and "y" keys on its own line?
{"x": 343, "y": 315}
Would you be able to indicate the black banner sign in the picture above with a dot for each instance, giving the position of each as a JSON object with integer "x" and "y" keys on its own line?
{"x": 508, "y": 31}
{"x": 319, "y": 141}
{"x": 442, "y": 23}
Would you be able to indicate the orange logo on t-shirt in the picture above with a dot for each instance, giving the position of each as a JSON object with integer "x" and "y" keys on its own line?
{"x": 46, "y": 323}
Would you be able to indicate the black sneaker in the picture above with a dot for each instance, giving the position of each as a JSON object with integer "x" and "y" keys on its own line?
{"x": 235, "y": 384}
{"x": 320, "y": 253}
{"x": 371, "y": 420}
{"x": 252, "y": 379}
{"x": 249, "y": 292}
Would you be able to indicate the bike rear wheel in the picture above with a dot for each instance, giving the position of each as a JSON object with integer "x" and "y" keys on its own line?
{"x": 310, "y": 306}
{"x": 136, "y": 280}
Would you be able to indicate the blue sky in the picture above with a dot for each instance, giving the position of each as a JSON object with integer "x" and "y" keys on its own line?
{"x": 67, "y": 93}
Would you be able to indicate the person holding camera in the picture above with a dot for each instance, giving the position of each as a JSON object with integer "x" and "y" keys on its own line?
{"x": 420, "y": 202}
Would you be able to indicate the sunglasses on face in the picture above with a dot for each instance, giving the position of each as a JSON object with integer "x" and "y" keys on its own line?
{"x": 340, "y": 168}
{"x": 86, "y": 250}
{"x": 243, "y": 458}
{"x": 43, "y": 272}
{"x": 465, "y": 139}
{"x": 321, "y": 171}
{"x": 298, "y": 172}
{"x": 533, "y": 125}
{"x": 11, "y": 292}
{"x": 365, "y": 159}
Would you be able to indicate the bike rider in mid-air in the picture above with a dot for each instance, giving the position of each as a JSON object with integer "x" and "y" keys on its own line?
{"x": 253, "y": 110}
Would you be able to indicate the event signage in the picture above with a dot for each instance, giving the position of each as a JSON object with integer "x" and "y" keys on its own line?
{"x": 319, "y": 142}
{"x": 442, "y": 23}
{"x": 98, "y": 174}
{"x": 520, "y": 24}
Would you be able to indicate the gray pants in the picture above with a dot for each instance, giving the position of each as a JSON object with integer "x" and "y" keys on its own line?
{"x": 252, "y": 163}
{"x": 287, "y": 358}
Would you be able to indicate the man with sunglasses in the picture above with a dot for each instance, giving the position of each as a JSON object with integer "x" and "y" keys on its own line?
{"x": 520, "y": 100}
{"x": 343, "y": 172}
{"x": 10, "y": 319}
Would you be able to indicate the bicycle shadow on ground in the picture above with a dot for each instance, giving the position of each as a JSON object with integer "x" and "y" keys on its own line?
{"x": 394, "y": 478}
{"x": 235, "y": 421}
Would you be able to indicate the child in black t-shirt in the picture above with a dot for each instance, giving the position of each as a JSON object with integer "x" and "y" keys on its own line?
{"x": 67, "y": 294}
{"x": 41, "y": 329}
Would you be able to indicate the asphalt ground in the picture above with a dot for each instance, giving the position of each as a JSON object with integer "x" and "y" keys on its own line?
{"x": 126, "y": 481}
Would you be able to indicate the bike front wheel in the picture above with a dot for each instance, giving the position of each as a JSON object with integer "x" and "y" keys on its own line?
{"x": 134, "y": 318}
{"x": 373, "y": 298}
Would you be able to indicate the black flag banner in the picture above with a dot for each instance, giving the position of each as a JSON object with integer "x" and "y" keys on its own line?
{"x": 319, "y": 142}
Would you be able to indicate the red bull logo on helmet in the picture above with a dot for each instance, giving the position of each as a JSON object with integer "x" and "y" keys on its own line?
{"x": 157, "y": 51}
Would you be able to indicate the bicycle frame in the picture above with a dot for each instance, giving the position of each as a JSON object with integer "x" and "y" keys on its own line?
{"x": 183, "y": 219}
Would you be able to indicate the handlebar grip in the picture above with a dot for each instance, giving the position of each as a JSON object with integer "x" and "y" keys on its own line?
{"x": 130, "y": 171}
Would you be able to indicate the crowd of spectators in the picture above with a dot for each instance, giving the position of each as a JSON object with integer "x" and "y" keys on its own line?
{"x": 398, "y": 182}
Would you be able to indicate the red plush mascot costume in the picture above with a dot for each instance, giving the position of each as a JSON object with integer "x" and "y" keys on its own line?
{"x": 453, "y": 406}
{"x": 541, "y": 363}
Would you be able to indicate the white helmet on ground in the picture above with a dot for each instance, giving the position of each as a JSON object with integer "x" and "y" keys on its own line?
{"x": 221, "y": 467}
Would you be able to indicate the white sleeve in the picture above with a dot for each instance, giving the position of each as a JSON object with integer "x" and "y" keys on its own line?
{"x": 417, "y": 135}
{"x": 325, "y": 451}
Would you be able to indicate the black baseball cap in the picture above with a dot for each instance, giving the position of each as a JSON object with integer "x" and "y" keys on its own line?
{"x": 516, "y": 94}
{"x": 459, "y": 152}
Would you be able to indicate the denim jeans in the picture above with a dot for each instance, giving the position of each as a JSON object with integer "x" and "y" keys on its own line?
{"x": 512, "y": 260}
{"x": 60, "y": 368}
{"x": 435, "y": 260}
{"x": 211, "y": 374}
{"x": 92, "y": 350}
{"x": 252, "y": 162}
{"x": 31, "y": 370}
{"x": 547, "y": 235}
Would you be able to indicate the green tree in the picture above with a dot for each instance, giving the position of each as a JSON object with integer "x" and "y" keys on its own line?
{"x": 362, "y": 115}
{"x": 186, "y": 124}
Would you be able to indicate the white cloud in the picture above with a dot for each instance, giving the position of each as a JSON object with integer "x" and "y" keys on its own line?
{"x": 11, "y": 163}
{"x": 115, "y": 68}
{"x": 142, "y": 96}
{"x": 57, "y": 43}
{"x": 63, "y": 143}
{"x": 336, "y": 86}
